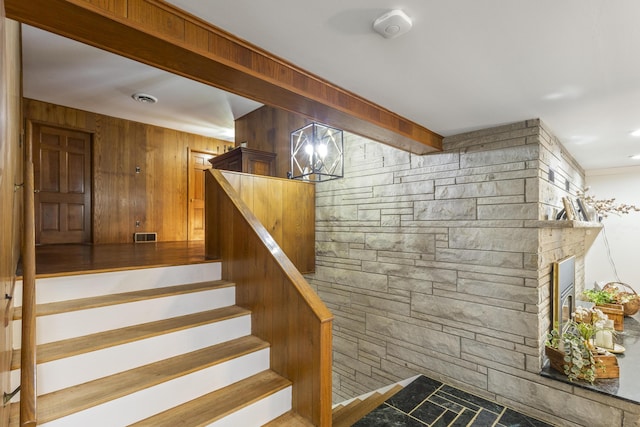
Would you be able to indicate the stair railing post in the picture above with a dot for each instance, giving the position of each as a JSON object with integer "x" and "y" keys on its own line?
{"x": 28, "y": 413}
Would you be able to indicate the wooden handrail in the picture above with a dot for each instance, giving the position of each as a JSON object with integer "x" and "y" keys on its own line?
{"x": 286, "y": 311}
{"x": 28, "y": 413}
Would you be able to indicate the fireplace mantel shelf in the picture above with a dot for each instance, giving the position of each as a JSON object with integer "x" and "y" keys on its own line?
{"x": 587, "y": 230}
{"x": 564, "y": 224}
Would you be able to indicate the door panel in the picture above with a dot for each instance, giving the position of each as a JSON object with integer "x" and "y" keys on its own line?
{"x": 49, "y": 170}
{"x": 50, "y": 216}
{"x": 76, "y": 173}
{"x": 62, "y": 167}
{"x": 198, "y": 165}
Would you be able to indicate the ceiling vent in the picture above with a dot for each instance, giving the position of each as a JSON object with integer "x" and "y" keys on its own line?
{"x": 144, "y": 98}
{"x": 392, "y": 24}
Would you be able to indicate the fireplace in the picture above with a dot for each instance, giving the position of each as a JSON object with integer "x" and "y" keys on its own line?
{"x": 564, "y": 278}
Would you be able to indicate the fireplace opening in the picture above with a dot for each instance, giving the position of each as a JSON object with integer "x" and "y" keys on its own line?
{"x": 564, "y": 278}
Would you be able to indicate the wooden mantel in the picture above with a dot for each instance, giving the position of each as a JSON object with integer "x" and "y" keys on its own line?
{"x": 160, "y": 35}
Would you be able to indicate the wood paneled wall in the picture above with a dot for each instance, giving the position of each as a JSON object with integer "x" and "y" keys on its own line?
{"x": 286, "y": 208}
{"x": 156, "y": 196}
{"x": 285, "y": 310}
{"x": 269, "y": 129}
{"x": 11, "y": 169}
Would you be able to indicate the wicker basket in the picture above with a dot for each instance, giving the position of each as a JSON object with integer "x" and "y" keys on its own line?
{"x": 622, "y": 289}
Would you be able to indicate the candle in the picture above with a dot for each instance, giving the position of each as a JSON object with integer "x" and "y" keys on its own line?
{"x": 604, "y": 338}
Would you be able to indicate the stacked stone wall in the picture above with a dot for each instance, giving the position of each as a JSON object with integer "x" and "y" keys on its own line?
{"x": 440, "y": 265}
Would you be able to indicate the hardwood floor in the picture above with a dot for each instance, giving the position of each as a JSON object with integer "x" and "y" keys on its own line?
{"x": 59, "y": 260}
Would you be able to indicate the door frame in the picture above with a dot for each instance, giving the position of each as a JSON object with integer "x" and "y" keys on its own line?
{"x": 190, "y": 152}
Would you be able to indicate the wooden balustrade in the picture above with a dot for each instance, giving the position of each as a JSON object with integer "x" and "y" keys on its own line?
{"x": 286, "y": 208}
{"x": 286, "y": 311}
{"x": 28, "y": 414}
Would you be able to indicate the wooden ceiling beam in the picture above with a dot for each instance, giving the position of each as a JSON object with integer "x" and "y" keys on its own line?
{"x": 160, "y": 35}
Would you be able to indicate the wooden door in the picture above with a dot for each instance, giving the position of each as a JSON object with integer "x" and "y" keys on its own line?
{"x": 198, "y": 164}
{"x": 62, "y": 169}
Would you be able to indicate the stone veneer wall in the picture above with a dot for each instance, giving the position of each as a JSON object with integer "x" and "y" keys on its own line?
{"x": 440, "y": 264}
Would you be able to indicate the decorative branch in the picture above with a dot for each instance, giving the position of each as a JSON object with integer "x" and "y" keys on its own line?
{"x": 606, "y": 206}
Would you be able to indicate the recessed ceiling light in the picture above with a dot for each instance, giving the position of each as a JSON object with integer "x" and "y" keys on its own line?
{"x": 636, "y": 157}
{"x": 144, "y": 98}
{"x": 635, "y": 132}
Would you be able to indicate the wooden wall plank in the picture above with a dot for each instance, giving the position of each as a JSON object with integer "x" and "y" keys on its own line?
{"x": 296, "y": 218}
{"x": 155, "y": 33}
{"x": 196, "y": 36}
{"x": 267, "y": 205}
{"x": 269, "y": 129}
{"x": 156, "y": 18}
{"x": 117, "y": 7}
{"x": 157, "y": 196}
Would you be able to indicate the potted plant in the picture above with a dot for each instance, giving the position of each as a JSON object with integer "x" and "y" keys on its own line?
{"x": 607, "y": 301}
{"x": 599, "y": 296}
{"x": 573, "y": 352}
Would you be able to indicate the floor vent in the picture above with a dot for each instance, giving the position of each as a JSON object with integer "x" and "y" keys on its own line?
{"x": 145, "y": 237}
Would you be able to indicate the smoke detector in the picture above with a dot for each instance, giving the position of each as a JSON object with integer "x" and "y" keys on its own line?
{"x": 392, "y": 24}
{"x": 144, "y": 98}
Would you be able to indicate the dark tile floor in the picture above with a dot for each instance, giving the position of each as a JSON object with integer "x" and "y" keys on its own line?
{"x": 427, "y": 402}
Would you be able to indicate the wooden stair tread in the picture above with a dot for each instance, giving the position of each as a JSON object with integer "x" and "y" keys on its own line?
{"x": 124, "y": 297}
{"x": 87, "y": 343}
{"x": 216, "y": 405}
{"x": 289, "y": 419}
{"x": 74, "y": 399}
{"x": 356, "y": 409}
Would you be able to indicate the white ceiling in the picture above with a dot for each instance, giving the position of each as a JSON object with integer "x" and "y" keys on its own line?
{"x": 465, "y": 65}
{"x": 69, "y": 73}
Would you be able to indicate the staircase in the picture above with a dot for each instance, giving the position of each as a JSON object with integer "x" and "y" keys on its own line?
{"x": 346, "y": 414}
{"x": 149, "y": 347}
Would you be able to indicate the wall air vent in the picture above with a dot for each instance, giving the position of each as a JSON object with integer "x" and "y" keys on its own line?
{"x": 145, "y": 237}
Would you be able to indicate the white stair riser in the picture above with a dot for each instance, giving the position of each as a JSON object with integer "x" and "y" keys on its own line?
{"x": 260, "y": 412}
{"x": 145, "y": 403}
{"x": 52, "y": 289}
{"x": 59, "y": 374}
{"x": 84, "y": 322}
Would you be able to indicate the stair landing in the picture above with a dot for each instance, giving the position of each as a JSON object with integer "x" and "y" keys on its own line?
{"x": 428, "y": 402}
{"x": 87, "y": 258}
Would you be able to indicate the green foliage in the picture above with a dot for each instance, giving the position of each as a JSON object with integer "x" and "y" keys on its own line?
{"x": 586, "y": 330}
{"x": 600, "y": 296}
{"x": 579, "y": 360}
{"x": 553, "y": 339}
